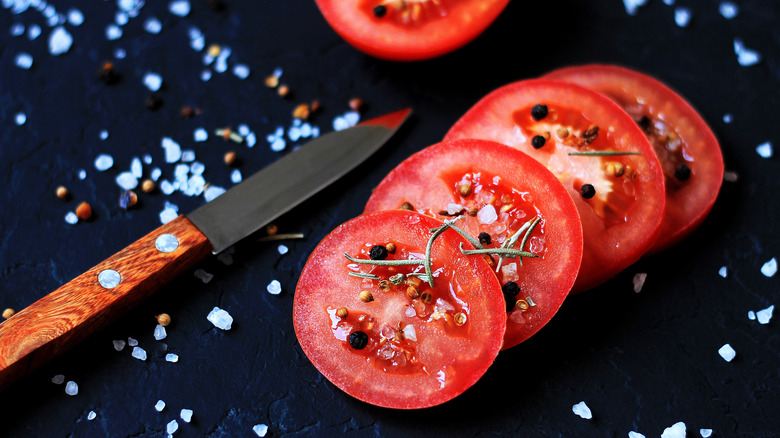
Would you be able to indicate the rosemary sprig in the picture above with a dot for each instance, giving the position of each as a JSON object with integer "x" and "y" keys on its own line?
{"x": 384, "y": 262}
{"x": 364, "y": 275}
{"x": 527, "y": 235}
{"x": 511, "y": 242}
{"x": 504, "y": 252}
{"x": 436, "y": 233}
{"x": 605, "y": 153}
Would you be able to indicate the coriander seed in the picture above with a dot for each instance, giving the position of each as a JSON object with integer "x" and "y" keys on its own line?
{"x": 366, "y": 296}
{"x": 62, "y": 192}
{"x": 147, "y": 186}
{"x": 230, "y": 158}
{"x": 342, "y": 312}
{"x": 163, "y": 319}
{"x": 84, "y": 211}
{"x": 9, "y": 312}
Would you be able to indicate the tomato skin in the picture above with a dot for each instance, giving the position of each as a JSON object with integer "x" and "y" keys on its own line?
{"x": 688, "y": 203}
{"x": 386, "y": 39}
{"x": 452, "y": 363}
{"x": 423, "y": 181}
{"x": 609, "y": 247}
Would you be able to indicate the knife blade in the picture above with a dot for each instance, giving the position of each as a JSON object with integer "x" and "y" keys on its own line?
{"x": 65, "y": 317}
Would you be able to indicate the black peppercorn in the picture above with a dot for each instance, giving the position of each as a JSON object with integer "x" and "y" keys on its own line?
{"x": 484, "y": 238}
{"x": 510, "y": 290}
{"x": 358, "y": 340}
{"x": 538, "y": 141}
{"x": 646, "y": 124}
{"x": 378, "y": 252}
{"x": 539, "y": 111}
{"x": 682, "y": 172}
{"x": 380, "y": 11}
{"x": 587, "y": 191}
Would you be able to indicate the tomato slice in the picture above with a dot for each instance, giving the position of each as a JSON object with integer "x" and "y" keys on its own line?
{"x": 686, "y": 146}
{"x": 497, "y": 190}
{"x": 396, "y": 341}
{"x": 409, "y": 30}
{"x": 620, "y": 198}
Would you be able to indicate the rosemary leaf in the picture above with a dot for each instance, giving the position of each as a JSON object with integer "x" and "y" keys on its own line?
{"x": 604, "y": 153}
{"x": 506, "y": 252}
{"x": 527, "y": 235}
{"x": 363, "y": 275}
{"x": 384, "y": 262}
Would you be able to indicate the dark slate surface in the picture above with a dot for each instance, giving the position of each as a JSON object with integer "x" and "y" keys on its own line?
{"x": 642, "y": 362}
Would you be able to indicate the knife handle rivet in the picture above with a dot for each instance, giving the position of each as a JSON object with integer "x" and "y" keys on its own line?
{"x": 166, "y": 243}
{"x": 109, "y": 278}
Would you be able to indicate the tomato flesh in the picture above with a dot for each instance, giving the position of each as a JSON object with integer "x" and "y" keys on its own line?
{"x": 497, "y": 190}
{"x": 679, "y": 135}
{"x": 409, "y": 30}
{"x": 622, "y": 220}
{"x": 420, "y": 347}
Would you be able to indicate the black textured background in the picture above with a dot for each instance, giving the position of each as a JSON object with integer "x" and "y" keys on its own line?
{"x": 642, "y": 362}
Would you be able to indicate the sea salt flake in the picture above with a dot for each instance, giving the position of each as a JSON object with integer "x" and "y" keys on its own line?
{"x": 159, "y": 406}
{"x": 682, "y": 16}
{"x": 212, "y": 192}
{"x": 92, "y": 415}
{"x": 172, "y": 427}
{"x": 127, "y": 180}
{"x": 103, "y": 134}
{"x": 676, "y": 430}
{"x": 156, "y": 173}
{"x": 170, "y": 357}
{"x": 509, "y": 272}
{"x": 282, "y": 249}
{"x": 104, "y": 162}
{"x": 153, "y": 81}
{"x": 59, "y": 41}
{"x": 745, "y": 57}
{"x": 113, "y": 32}
{"x": 635, "y": 435}
{"x": 33, "y": 32}
{"x": 260, "y": 429}
{"x": 186, "y": 415}
{"x": 769, "y": 269}
{"x": 23, "y": 60}
{"x": 152, "y": 25}
{"x": 278, "y": 145}
{"x": 241, "y": 71}
{"x": 200, "y": 135}
{"x": 487, "y": 215}
{"x": 121, "y": 18}
{"x": 197, "y": 168}
{"x": 765, "y": 150}
{"x": 705, "y": 433}
{"x": 639, "y": 281}
{"x": 187, "y": 156}
{"x": 765, "y": 315}
{"x": 59, "y": 379}
{"x": 251, "y": 140}
{"x": 82, "y": 174}
{"x": 166, "y": 187}
{"x": 136, "y": 168}
{"x": 205, "y": 75}
{"x": 235, "y": 176}
{"x": 274, "y": 287}
{"x": 71, "y": 218}
{"x": 632, "y": 5}
{"x": 728, "y": 10}
{"x": 727, "y": 353}
{"x": 582, "y": 410}
{"x": 71, "y": 388}
{"x": 169, "y": 213}
{"x": 179, "y": 8}
{"x": 139, "y": 353}
{"x": 453, "y": 208}
{"x": 751, "y": 315}
{"x": 723, "y": 272}
{"x": 20, "y": 119}
{"x": 203, "y": 276}
{"x": 75, "y": 17}
{"x": 119, "y": 344}
{"x": 132, "y": 341}
{"x": 120, "y": 53}
{"x": 220, "y": 318}
{"x": 17, "y": 29}
{"x": 172, "y": 150}
{"x": 160, "y": 333}
{"x": 409, "y": 332}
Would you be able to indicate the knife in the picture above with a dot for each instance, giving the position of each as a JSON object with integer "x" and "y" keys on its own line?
{"x": 65, "y": 317}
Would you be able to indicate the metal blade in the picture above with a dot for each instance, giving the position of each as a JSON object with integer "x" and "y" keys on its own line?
{"x": 290, "y": 180}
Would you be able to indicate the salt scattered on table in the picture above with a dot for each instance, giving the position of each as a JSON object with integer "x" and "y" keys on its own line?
{"x": 582, "y": 410}
{"x": 278, "y": 144}
{"x": 91, "y": 415}
{"x": 136, "y": 168}
{"x": 17, "y": 29}
{"x": 260, "y": 429}
{"x": 132, "y": 341}
{"x": 220, "y": 318}
{"x": 728, "y": 10}
{"x": 33, "y": 32}
{"x": 632, "y": 5}
{"x": 728, "y": 118}
{"x": 104, "y": 162}
{"x": 705, "y": 433}
{"x": 119, "y": 344}
{"x": 212, "y": 192}
{"x": 103, "y": 134}
{"x": 751, "y": 315}
{"x": 127, "y": 180}
{"x": 186, "y": 415}
{"x": 200, "y": 135}
{"x": 171, "y": 357}
{"x": 282, "y": 249}
{"x": 113, "y": 32}
{"x": 82, "y": 174}
{"x": 180, "y": 8}
{"x": 241, "y": 71}
{"x": 251, "y": 140}
{"x": 676, "y": 430}
{"x": 71, "y": 388}
{"x": 120, "y": 53}
{"x": 172, "y": 427}
{"x": 23, "y": 60}
{"x": 745, "y": 57}
{"x": 59, "y": 41}
{"x": 723, "y": 272}
{"x": 153, "y": 81}
{"x": 121, "y": 18}
{"x": 159, "y": 406}
{"x": 235, "y": 176}
{"x": 152, "y": 25}
{"x": 682, "y": 16}
{"x": 635, "y": 435}
{"x": 75, "y": 17}
{"x": 172, "y": 150}
{"x": 169, "y": 213}
{"x": 274, "y": 287}
{"x": 727, "y": 353}
{"x": 765, "y": 315}
{"x": 769, "y": 269}
{"x": 139, "y": 353}
{"x": 160, "y": 333}
{"x": 765, "y": 150}
{"x": 639, "y": 281}
{"x": 71, "y": 218}
{"x": 20, "y": 118}
{"x": 59, "y": 379}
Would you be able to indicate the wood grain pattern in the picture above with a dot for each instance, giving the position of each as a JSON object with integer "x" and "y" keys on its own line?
{"x": 66, "y": 316}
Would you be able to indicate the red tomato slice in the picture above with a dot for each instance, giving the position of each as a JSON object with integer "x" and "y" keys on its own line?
{"x": 409, "y": 30}
{"x": 420, "y": 346}
{"x": 479, "y": 179}
{"x": 688, "y": 150}
{"x": 622, "y": 219}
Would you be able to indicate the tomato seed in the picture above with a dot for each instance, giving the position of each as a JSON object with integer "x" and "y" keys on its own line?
{"x": 562, "y": 132}
{"x": 539, "y": 111}
{"x": 522, "y": 305}
{"x": 587, "y": 191}
{"x": 384, "y": 285}
{"x": 358, "y": 340}
{"x": 460, "y": 318}
{"x": 682, "y": 172}
{"x": 538, "y": 141}
{"x": 426, "y": 298}
{"x": 378, "y": 252}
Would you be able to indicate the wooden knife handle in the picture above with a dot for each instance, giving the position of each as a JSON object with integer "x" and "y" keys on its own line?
{"x": 90, "y": 301}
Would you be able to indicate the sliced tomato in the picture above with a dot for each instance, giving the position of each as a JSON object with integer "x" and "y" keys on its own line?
{"x": 498, "y": 191}
{"x": 620, "y": 198}
{"x": 409, "y": 30}
{"x": 686, "y": 146}
{"x": 393, "y": 340}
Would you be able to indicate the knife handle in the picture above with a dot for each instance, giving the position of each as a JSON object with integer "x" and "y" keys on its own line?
{"x": 92, "y": 300}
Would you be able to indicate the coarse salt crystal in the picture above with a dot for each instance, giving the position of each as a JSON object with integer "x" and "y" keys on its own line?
{"x": 764, "y": 150}
{"x": 104, "y": 162}
{"x": 20, "y": 118}
{"x": 152, "y": 25}
{"x": 71, "y": 388}
{"x": 33, "y": 32}
{"x": 745, "y": 57}
{"x": 121, "y": 18}
{"x": 278, "y": 144}
{"x": 169, "y": 213}
{"x": 282, "y": 249}
{"x": 127, "y": 180}
{"x": 186, "y": 415}
{"x": 59, "y": 41}
{"x": 260, "y": 429}
{"x": 705, "y": 433}
{"x": 200, "y": 134}
{"x": 172, "y": 150}
{"x": 132, "y": 341}
{"x": 71, "y": 218}
{"x": 153, "y": 81}
{"x": 676, "y": 430}
{"x": 723, "y": 272}
{"x": 220, "y": 318}
{"x": 171, "y": 357}
{"x": 205, "y": 75}
{"x": 274, "y": 287}
{"x": 409, "y": 332}
{"x": 728, "y": 10}
{"x": 212, "y": 192}
{"x": 727, "y": 353}
{"x": 635, "y": 435}
{"x": 582, "y": 410}
{"x": 166, "y": 187}
{"x": 136, "y": 168}
{"x": 769, "y": 269}
{"x": 487, "y": 215}
{"x": 639, "y": 281}
{"x": 241, "y": 71}
{"x": 682, "y": 16}
{"x": 119, "y": 344}
{"x": 235, "y": 176}
{"x": 172, "y": 427}
{"x": 251, "y": 140}
{"x": 113, "y": 32}
{"x": 91, "y": 416}
{"x": 24, "y": 60}
{"x": 75, "y": 17}
{"x": 180, "y": 8}
{"x": 103, "y": 134}
{"x": 632, "y": 5}
{"x": 59, "y": 379}
{"x": 509, "y": 272}
{"x": 751, "y": 315}
{"x": 17, "y": 29}
{"x": 139, "y": 353}
{"x": 82, "y": 174}
{"x": 727, "y": 118}
{"x": 765, "y": 315}
{"x": 159, "y": 406}
{"x": 160, "y": 333}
